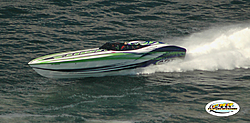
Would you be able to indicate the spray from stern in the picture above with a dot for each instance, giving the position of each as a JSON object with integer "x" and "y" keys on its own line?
{"x": 224, "y": 48}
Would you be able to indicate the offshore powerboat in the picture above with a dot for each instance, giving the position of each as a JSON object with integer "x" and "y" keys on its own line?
{"x": 106, "y": 60}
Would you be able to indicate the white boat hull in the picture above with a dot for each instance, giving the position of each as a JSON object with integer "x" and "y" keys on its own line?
{"x": 97, "y": 62}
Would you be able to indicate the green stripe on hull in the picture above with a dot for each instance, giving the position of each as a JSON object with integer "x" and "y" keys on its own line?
{"x": 114, "y": 56}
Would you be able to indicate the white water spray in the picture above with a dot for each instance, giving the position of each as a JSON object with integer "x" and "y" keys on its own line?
{"x": 224, "y": 48}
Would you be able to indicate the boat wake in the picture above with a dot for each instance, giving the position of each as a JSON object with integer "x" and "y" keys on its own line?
{"x": 223, "y": 48}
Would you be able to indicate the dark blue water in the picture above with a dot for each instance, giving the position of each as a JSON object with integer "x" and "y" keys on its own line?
{"x": 215, "y": 33}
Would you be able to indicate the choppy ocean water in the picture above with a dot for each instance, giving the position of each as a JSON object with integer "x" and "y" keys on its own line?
{"x": 215, "y": 33}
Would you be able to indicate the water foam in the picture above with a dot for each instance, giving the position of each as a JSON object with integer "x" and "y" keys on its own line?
{"x": 224, "y": 48}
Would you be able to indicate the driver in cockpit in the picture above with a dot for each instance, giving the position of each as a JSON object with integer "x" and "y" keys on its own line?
{"x": 119, "y": 46}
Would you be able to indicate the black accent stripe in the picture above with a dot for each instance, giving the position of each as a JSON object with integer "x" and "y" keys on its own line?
{"x": 166, "y": 49}
{"x": 170, "y": 49}
{"x": 103, "y": 68}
